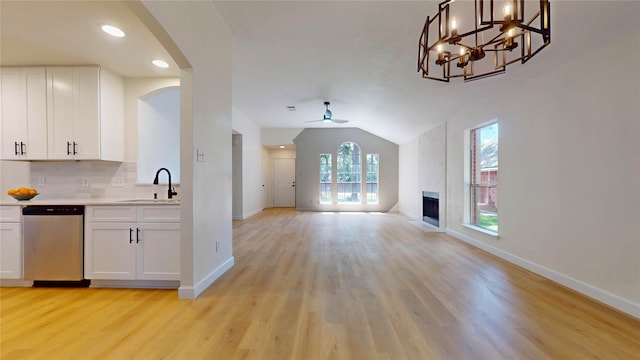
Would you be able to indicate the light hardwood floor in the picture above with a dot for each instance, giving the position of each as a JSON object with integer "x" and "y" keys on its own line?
{"x": 327, "y": 286}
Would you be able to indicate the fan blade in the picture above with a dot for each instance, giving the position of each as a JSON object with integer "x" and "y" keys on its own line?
{"x": 337, "y": 121}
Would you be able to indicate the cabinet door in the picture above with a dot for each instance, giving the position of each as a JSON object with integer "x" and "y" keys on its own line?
{"x": 60, "y": 112}
{"x": 159, "y": 251}
{"x": 12, "y": 113}
{"x": 23, "y": 113}
{"x": 86, "y": 93}
{"x": 35, "y": 81}
{"x": 10, "y": 250}
{"x": 110, "y": 251}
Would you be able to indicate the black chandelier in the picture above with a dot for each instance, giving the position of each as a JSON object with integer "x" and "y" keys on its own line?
{"x": 454, "y": 53}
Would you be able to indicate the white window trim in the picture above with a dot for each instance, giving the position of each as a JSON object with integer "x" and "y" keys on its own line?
{"x": 467, "y": 179}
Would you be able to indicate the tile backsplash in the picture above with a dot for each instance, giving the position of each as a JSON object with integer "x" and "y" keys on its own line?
{"x": 92, "y": 180}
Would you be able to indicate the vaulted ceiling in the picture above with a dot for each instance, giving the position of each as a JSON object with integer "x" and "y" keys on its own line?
{"x": 359, "y": 55}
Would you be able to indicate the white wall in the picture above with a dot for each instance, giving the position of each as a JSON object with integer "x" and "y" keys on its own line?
{"x": 159, "y": 135}
{"x": 134, "y": 88}
{"x": 279, "y": 136}
{"x": 569, "y": 161}
{"x": 14, "y": 174}
{"x": 315, "y": 141}
{"x": 253, "y": 179}
{"x": 201, "y": 35}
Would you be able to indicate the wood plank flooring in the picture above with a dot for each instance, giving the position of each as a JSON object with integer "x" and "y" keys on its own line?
{"x": 327, "y": 286}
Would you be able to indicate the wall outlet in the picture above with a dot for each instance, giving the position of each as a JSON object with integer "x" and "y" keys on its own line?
{"x": 85, "y": 182}
{"x": 41, "y": 182}
{"x": 200, "y": 155}
{"x": 217, "y": 246}
{"x": 117, "y": 181}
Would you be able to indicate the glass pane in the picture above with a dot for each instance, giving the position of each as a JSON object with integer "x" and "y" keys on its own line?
{"x": 325, "y": 178}
{"x": 349, "y": 173}
{"x": 372, "y": 178}
{"x": 484, "y": 181}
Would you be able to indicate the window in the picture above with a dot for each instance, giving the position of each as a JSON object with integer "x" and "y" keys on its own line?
{"x": 325, "y": 178}
{"x": 484, "y": 177}
{"x": 372, "y": 178}
{"x": 349, "y": 173}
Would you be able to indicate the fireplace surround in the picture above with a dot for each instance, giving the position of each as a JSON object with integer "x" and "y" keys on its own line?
{"x": 431, "y": 208}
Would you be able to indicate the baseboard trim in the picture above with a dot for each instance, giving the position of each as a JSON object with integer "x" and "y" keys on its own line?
{"x": 426, "y": 226}
{"x": 15, "y": 283}
{"x": 615, "y": 301}
{"x": 192, "y": 292}
{"x": 411, "y": 216}
{"x": 139, "y": 284}
{"x": 251, "y": 213}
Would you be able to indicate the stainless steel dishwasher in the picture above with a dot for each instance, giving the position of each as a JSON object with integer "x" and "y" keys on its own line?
{"x": 54, "y": 245}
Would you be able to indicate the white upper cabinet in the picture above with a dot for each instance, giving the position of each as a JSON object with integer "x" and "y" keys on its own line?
{"x": 23, "y": 113}
{"x": 85, "y": 114}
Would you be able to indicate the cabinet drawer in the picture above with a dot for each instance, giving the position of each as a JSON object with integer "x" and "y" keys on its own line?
{"x": 10, "y": 213}
{"x": 159, "y": 213}
{"x": 110, "y": 213}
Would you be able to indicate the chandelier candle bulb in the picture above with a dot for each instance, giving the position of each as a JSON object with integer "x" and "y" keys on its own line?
{"x": 507, "y": 12}
{"x": 462, "y": 59}
{"x": 454, "y": 27}
{"x": 440, "y": 59}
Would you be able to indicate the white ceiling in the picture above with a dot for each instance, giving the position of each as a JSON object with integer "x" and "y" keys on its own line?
{"x": 360, "y": 55}
{"x": 68, "y": 33}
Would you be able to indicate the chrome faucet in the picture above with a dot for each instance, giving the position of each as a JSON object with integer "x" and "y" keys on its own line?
{"x": 172, "y": 191}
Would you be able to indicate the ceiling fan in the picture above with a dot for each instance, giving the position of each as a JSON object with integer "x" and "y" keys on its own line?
{"x": 327, "y": 116}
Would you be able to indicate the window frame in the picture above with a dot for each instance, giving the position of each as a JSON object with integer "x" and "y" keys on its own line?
{"x": 470, "y": 205}
{"x": 367, "y": 182}
{"x": 356, "y": 173}
{"x": 328, "y": 164}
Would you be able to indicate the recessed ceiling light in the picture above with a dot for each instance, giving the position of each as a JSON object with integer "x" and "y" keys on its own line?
{"x": 160, "y": 63}
{"x": 112, "y": 30}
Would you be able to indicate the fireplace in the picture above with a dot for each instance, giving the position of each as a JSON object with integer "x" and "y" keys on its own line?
{"x": 431, "y": 208}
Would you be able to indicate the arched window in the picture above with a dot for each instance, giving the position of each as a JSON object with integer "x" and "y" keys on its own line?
{"x": 349, "y": 173}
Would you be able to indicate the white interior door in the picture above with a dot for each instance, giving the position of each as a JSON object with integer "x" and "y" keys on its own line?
{"x": 284, "y": 182}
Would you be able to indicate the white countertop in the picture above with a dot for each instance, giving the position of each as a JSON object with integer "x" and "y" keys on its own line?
{"x": 36, "y": 201}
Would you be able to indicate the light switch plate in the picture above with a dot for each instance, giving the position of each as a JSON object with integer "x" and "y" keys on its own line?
{"x": 200, "y": 155}
{"x": 41, "y": 182}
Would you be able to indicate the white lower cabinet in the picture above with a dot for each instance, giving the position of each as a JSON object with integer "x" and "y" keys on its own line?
{"x": 10, "y": 242}
{"x": 145, "y": 248}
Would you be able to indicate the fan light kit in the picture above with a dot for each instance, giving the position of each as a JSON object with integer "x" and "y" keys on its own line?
{"x": 327, "y": 118}
{"x": 456, "y": 50}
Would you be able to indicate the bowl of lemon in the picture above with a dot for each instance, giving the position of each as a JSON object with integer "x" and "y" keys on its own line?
{"x": 22, "y": 193}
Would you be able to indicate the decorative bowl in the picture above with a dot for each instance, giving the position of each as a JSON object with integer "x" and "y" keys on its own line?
{"x": 23, "y": 197}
